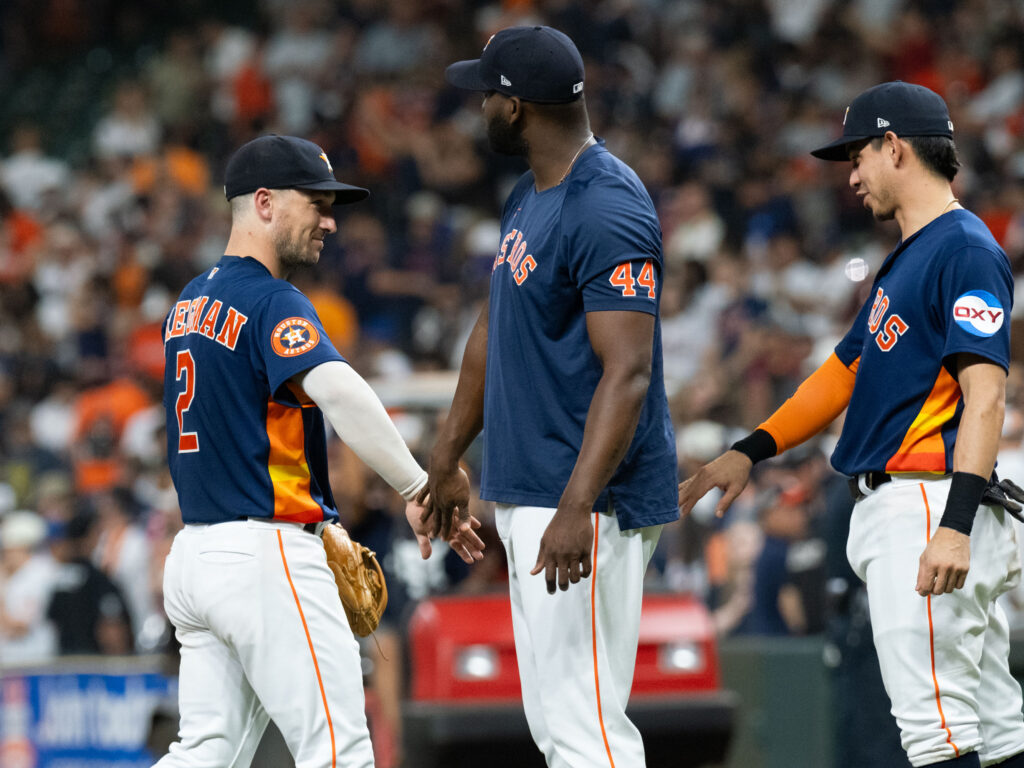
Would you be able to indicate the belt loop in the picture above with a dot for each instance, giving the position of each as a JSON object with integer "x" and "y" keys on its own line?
{"x": 862, "y": 484}
{"x": 315, "y": 528}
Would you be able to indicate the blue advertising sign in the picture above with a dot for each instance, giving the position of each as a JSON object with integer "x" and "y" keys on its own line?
{"x": 79, "y": 720}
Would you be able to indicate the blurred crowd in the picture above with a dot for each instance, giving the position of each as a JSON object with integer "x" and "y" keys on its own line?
{"x": 106, "y": 213}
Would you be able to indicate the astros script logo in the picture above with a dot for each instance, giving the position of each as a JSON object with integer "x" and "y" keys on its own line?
{"x": 294, "y": 336}
{"x": 979, "y": 313}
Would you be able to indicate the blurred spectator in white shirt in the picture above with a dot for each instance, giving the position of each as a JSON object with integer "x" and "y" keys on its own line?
{"x": 130, "y": 128}
{"x": 228, "y": 50}
{"x": 28, "y": 174}
{"x": 295, "y": 60}
{"x": 176, "y": 79}
{"x": 697, "y": 231}
{"x": 1005, "y": 89}
{"x": 26, "y": 636}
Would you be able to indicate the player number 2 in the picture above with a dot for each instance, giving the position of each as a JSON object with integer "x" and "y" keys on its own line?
{"x": 188, "y": 442}
{"x": 622, "y": 278}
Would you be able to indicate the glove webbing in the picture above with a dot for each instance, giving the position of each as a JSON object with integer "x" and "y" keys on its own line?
{"x": 1006, "y": 494}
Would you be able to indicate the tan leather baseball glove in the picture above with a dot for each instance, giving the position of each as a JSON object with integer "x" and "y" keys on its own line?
{"x": 359, "y": 578}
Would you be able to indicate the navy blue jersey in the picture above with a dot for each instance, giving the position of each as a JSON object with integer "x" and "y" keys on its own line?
{"x": 590, "y": 244}
{"x": 241, "y": 441}
{"x": 947, "y": 289}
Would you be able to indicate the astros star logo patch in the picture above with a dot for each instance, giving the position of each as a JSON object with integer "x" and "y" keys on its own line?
{"x": 294, "y": 336}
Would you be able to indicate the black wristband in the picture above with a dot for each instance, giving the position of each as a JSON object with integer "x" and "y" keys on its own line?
{"x": 757, "y": 446}
{"x": 965, "y": 493}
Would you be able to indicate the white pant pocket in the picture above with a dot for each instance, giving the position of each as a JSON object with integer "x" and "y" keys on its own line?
{"x": 225, "y": 556}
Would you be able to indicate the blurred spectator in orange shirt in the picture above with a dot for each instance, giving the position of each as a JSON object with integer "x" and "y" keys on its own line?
{"x": 19, "y": 233}
{"x": 101, "y": 413}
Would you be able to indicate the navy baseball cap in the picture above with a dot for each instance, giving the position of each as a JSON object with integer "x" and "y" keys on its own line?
{"x": 285, "y": 162}
{"x": 537, "y": 64}
{"x": 903, "y": 108}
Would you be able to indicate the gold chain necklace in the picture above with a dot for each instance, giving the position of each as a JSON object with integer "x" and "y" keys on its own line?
{"x": 575, "y": 157}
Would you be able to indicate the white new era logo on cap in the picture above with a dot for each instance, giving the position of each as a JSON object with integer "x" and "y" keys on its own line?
{"x": 577, "y": 88}
{"x": 883, "y": 123}
{"x": 505, "y": 81}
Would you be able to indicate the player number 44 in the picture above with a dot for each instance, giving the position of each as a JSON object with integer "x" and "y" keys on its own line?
{"x": 188, "y": 442}
{"x": 622, "y": 278}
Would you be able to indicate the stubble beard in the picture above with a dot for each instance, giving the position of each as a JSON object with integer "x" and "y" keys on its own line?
{"x": 293, "y": 252}
{"x": 883, "y": 204}
{"x": 883, "y": 211}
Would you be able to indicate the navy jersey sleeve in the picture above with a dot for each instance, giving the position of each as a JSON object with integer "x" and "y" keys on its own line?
{"x": 612, "y": 240}
{"x": 290, "y": 338}
{"x": 852, "y": 344}
{"x": 974, "y": 300}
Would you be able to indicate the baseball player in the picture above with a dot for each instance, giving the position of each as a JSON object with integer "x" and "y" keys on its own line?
{"x": 250, "y": 375}
{"x": 563, "y": 373}
{"x": 921, "y": 375}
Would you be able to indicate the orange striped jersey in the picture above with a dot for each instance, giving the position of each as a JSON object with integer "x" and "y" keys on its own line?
{"x": 242, "y": 441}
{"x": 945, "y": 290}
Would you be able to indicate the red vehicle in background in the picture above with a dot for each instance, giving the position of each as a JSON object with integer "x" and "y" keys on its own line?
{"x": 465, "y": 706}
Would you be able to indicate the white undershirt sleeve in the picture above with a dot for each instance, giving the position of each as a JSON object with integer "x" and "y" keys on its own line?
{"x": 359, "y": 418}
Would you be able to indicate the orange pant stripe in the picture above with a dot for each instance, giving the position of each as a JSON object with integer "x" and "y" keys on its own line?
{"x": 593, "y": 635}
{"x": 931, "y": 635}
{"x": 312, "y": 651}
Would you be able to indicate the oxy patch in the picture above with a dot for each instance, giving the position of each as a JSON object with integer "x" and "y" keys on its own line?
{"x": 979, "y": 313}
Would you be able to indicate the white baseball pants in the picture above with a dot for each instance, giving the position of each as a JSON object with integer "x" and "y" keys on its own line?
{"x": 263, "y": 636}
{"x": 577, "y": 649}
{"x": 944, "y": 658}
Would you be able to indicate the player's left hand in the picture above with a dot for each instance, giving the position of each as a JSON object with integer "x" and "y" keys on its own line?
{"x": 463, "y": 538}
{"x": 944, "y": 563}
{"x": 565, "y": 549}
{"x": 465, "y": 541}
{"x": 730, "y": 472}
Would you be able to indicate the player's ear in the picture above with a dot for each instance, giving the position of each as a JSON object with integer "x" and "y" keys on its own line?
{"x": 263, "y": 203}
{"x": 515, "y": 108}
{"x": 893, "y": 147}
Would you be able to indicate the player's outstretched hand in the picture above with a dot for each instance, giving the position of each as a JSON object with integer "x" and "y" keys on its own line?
{"x": 944, "y": 563}
{"x": 463, "y": 540}
{"x": 565, "y": 549}
{"x": 445, "y": 497}
{"x": 730, "y": 472}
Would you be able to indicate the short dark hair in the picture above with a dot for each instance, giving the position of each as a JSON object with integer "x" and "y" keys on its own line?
{"x": 936, "y": 153}
{"x": 567, "y": 116}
